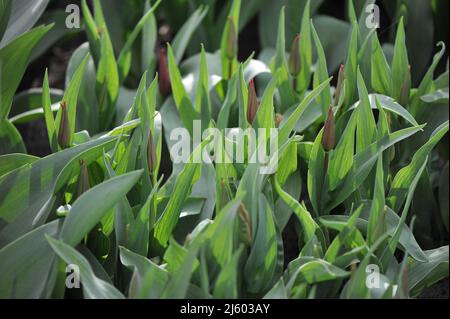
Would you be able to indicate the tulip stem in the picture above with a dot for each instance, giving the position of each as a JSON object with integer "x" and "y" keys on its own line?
{"x": 325, "y": 163}
{"x": 230, "y": 68}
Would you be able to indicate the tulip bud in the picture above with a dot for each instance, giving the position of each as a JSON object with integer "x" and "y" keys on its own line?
{"x": 246, "y": 225}
{"x": 151, "y": 153}
{"x": 83, "y": 182}
{"x": 406, "y": 86}
{"x": 232, "y": 43}
{"x": 328, "y": 131}
{"x": 340, "y": 83}
{"x": 64, "y": 127}
{"x": 253, "y": 102}
{"x": 163, "y": 70}
{"x": 278, "y": 119}
{"x": 294, "y": 57}
{"x": 224, "y": 194}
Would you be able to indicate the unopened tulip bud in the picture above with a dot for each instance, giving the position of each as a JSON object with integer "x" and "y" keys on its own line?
{"x": 406, "y": 86}
{"x": 328, "y": 131}
{"x": 246, "y": 225}
{"x": 253, "y": 102}
{"x": 163, "y": 70}
{"x": 232, "y": 42}
{"x": 151, "y": 153}
{"x": 64, "y": 127}
{"x": 294, "y": 57}
{"x": 83, "y": 183}
{"x": 340, "y": 83}
{"x": 278, "y": 119}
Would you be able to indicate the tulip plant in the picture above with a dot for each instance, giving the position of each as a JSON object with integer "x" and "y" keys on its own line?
{"x": 360, "y": 174}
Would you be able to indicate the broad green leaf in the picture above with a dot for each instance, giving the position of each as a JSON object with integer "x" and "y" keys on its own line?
{"x": 427, "y": 81}
{"x": 278, "y": 291}
{"x": 184, "y": 181}
{"x": 280, "y": 69}
{"x": 10, "y": 138}
{"x": 184, "y": 105}
{"x": 178, "y": 284}
{"x": 287, "y": 163}
{"x": 407, "y": 240}
{"x": 304, "y": 78}
{"x": 341, "y": 158}
{"x": 234, "y": 14}
{"x": 389, "y": 104}
{"x": 321, "y": 75}
{"x": 48, "y": 114}
{"x": 150, "y": 279}
{"x": 310, "y": 227}
{"x": 266, "y": 113}
{"x": 203, "y": 101}
{"x": 312, "y": 270}
{"x": 23, "y": 16}
{"x": 70, "y": 98}
{"x": 14, "y": 59}
{"x": 424, "y": 274}
{"x": 29, "y": 191}
{"x": 93, "y": 287}
{"x": 265, "y": 261}
{"x": 400, "y": 63}
{"x": 288, "y": 125}
{"x": 231, "y": 98}
{"x": 92, "y": 32}
{"x": 316, "y": 174}
{"x": 365, "y": 126}
{"x": 148, "y": 42}
{"x": 404, "y": 177}
{"x": 107, "y": 80}
{"x": 351, "y": 66}
{"x": 375, "y": 228}
{"x": 348, "y": 230}
{"x": 126, "y": 49}
{"x": 5, "y": 12}
{"x": 10, "y": 162}
{"x": 226, "y": 285}
{"x": 139, "y": 230}
{"x": 87, "y": 210}
{"x": 184, "y": 34}
{"x": 356, "y": 287}
{"x": 26, "y": 264}
{"x": 222, "y": 235}
{"x": 389, "y": 251}
{"x": 381, "y": 79}
{"x": 363, "y": 162}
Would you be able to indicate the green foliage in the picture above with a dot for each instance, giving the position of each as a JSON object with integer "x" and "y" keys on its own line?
{"x": 212, "y": 229}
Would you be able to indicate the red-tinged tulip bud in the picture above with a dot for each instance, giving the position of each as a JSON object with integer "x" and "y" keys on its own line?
{"x": 232, "y": 41}
{"x": 151, "y": 153}
{"x": 278, "y": 119}
{"x": 406, "y": 86}
{"x": 328, "y": 131}
{"x": 224, "y": 198}
{"x": 253, "y": 102}
{"x": 163, "y": 70}
{"x": 340, "y": 83}
{"x": 64, "y": 127}
{"x": 83, "y": 182}
{"x": 294, "y": 63}
{"x": 245, "y": 225}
